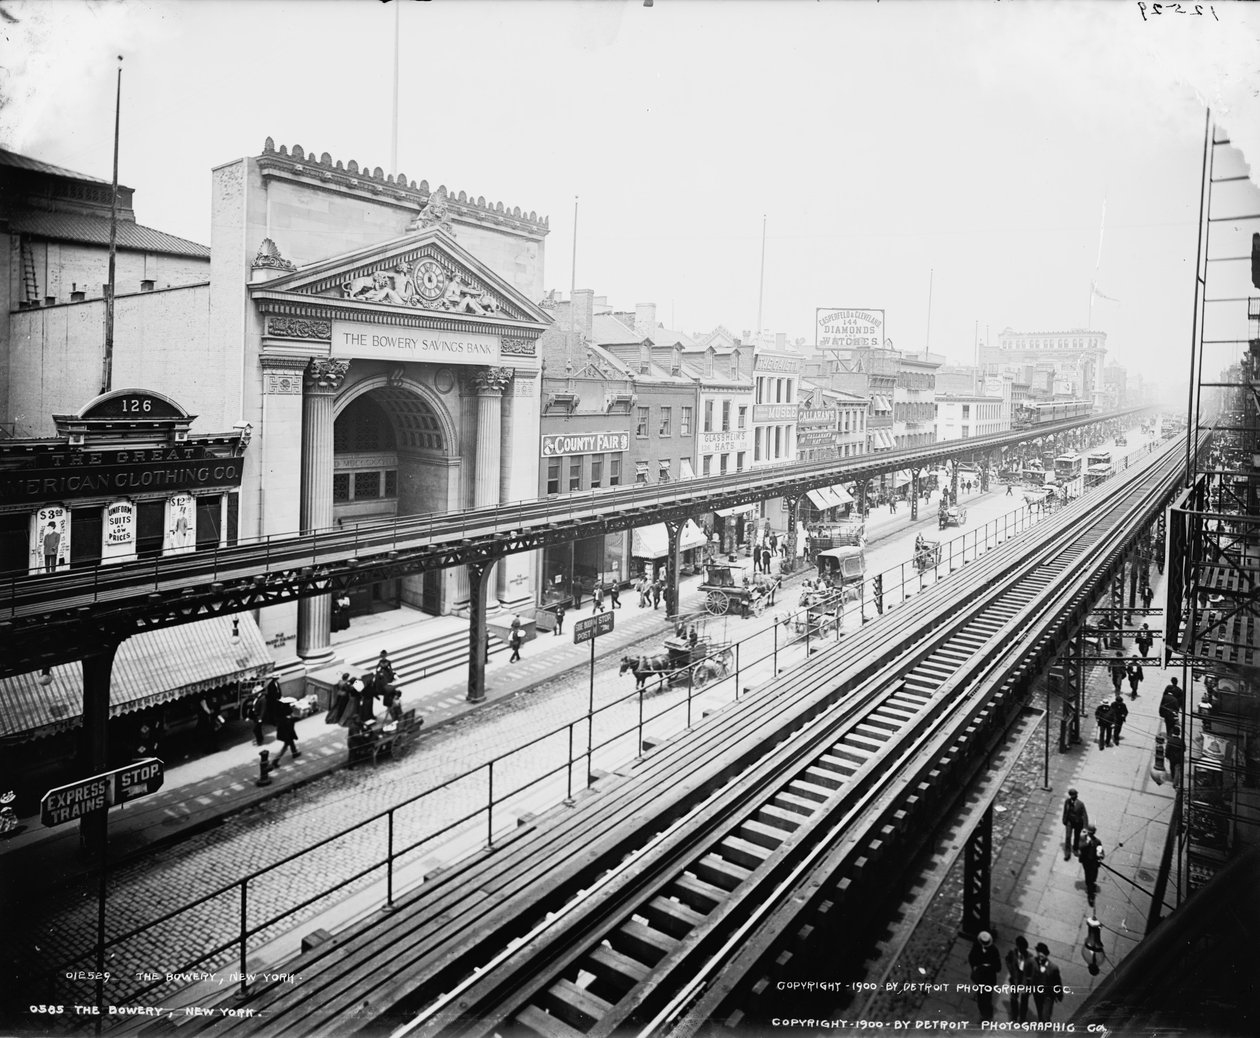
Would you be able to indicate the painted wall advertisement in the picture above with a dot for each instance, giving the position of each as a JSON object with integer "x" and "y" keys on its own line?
{"x": 118, "y": 532}
{"x": 554, "y": 444}
{"x": 50, "y": 539}
{"x": 837, "y": 329}
{"x": 181, "y": 525}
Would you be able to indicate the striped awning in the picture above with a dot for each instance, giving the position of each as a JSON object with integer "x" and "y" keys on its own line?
{"x": 829, "y": 497}
{"x": 882, "y": 441}
{"x": 652, "y": 542}
{"x": 153, "y": 667}
{"x": 726, "y": 513}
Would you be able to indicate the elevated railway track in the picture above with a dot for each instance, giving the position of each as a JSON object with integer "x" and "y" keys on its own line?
{"x": 674, "y": 899}
{"x": 47, "y": 619}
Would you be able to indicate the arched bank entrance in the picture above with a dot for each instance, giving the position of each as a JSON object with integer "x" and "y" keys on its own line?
{"x": 392, "y": 456}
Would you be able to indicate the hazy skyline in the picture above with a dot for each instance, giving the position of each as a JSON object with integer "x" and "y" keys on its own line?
{"x": 969, "y": 143}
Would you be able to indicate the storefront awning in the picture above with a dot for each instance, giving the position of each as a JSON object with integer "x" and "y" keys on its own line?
{"x": 150, "y": 668}
{"x": 882, "y": 441}
{"x": 726, "y": 513}
{"x": 685, "y": 471}
{"x": 652, "y": 542}
{"x": 829, "y": 497}
{"x": 881, "y": 403}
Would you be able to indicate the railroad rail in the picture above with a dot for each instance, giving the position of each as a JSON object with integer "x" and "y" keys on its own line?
{"x": 62, "y": 616}
{"x": 677, "y": 895}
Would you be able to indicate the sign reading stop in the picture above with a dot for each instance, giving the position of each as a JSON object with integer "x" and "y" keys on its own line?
{"x": 66, "y": 803}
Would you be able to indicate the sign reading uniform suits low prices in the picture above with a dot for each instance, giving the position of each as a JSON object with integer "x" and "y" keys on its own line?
{"x": 838, "y": 329}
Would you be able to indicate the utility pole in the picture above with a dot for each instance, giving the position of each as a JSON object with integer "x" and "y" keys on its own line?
{"x": 107, "y": 364}
{"x": 761, "y": 287}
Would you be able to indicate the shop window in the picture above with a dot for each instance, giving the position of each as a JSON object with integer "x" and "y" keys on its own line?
{"x": 614, "y": 472}
{"x": 341, "y": 486}
{"x": 597, "y": 471}
{"x": 684, "y": 422}
{"x": 150, "y": 528}
{"x": 662, "y": 474}
{"x": 641, "y": 428}
{"x": 553, "y": 475}
{"x": 14, "y": 534}
{"x": 667, "y": 418}
{"x": 209, "y": 521}
{"x": 367, "y": 485}
{"x": 391, "y": 483}
{"x": 85, "y": 536}
{"x": 233, "y": 517}
{"x": 640, "y": 471}
{"x": 575, "y": 473}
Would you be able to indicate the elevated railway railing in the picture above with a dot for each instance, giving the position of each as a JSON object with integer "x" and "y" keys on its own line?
{"x": 387, "y": 845}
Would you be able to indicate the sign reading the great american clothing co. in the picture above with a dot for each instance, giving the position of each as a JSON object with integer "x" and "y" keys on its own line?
{"x": 44, "y": 484}
{"x": 386, "y": 342}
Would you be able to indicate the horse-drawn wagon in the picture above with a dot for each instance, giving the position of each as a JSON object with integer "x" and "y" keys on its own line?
{"x": 822, "y": 611}
{"x": 952, "y": 515}
{"x": 927, "y": 554}
{"x": 723, "y": 593}
{"x": 692, "y": 659}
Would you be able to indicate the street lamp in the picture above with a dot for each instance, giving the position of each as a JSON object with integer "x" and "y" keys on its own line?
{"x": 1093, "y": 952}
{"x": 45, "y": 677}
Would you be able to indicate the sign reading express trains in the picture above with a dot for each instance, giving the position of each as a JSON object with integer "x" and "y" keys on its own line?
{"x": 585, "y": 443}
{"x": 66, "y": 803}
{"x": 51, "y": 484}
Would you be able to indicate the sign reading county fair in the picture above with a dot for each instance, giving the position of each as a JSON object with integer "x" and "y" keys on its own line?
{"x": 66, "y": 803}
{"x": 386, "y": 342}
{"x": 849, "y": 329}
{"x": 556, "y": 444}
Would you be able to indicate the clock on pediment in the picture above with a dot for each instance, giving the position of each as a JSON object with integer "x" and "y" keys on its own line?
{"x": 430, "y": 280}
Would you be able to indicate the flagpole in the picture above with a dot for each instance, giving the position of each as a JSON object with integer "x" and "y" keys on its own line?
{"x": 761, "y": 286}
{"x": 573, "y": 278}
{"x": 927, "y": 346}
{"x": 393, "y": 149}
{"x": 107, "y": 366}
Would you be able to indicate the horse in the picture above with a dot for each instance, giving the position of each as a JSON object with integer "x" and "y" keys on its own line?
{"x": 1037, "y": 501}
{"x": 644, "y": 667}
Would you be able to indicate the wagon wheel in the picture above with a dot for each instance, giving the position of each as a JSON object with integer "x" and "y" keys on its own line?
{"x": 716, "y": 603}
{"x": 724, "y": 659}
{"x": 700, "y": 675}
{"x": 759, "y": 605}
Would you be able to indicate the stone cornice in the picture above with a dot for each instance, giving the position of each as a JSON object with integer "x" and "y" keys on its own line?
{"x": 350, "y": 179}
{"x": 327, "y": 308}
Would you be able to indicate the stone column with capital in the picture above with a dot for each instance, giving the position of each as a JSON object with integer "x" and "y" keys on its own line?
{"x": 322, "y": 379}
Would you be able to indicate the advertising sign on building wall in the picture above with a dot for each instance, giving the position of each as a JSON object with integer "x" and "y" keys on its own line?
{"x": 722, "y": 442}
{"x": 50, "y": 539}
{"x": 386, "y": 342}
{"x": 848, "y": 329}
{"x": 118, "y": 531}
{"x": 774, "y": 413}
{"x": 181, "y": 525}
{"x": 584, "y": 443}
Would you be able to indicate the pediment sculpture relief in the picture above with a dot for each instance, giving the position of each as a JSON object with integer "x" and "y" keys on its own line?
{"x": 426, "y": 286}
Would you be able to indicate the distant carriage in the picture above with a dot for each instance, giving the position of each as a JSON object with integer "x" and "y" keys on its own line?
{"x": 927, "y": 555}
{"x": 953, "y": 515}
{"x": 822, "y": 611}
{"x": 684, "y": 662}
{"x": 723, "y": 593}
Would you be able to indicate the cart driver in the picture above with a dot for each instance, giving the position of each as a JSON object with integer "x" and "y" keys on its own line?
{"x": 919, "y": 544}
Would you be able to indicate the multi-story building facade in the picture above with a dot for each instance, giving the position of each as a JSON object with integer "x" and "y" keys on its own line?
{"x": 724, "y": 409}
{"x": 914, "y": 399}
{"x": 1075, "y": 357}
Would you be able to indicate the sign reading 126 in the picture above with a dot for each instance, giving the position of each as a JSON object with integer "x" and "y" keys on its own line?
{"x": 134, "y": 404}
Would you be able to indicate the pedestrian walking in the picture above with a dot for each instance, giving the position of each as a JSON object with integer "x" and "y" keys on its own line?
{"x": 614, "y": 595}
{"x": 756, "y": 560}
{"x": 774, "y": 543}
{"x": 559, "y": 628}
{"x": 1144, "y": 640}
{"x": 1118, "y": 671}
{"x": 1170, "y": 707}
{"x": 1009, "y": 488}
{"x": 258, "y": 709}
{"x": 1075, "y": 818}
{"x": 384, "y": 669}
{"x": 1147, "y": 596}
{"x": 286, "y": 732}
{"x": 1135, "y": 674}
{"x": 516, "y": 638}
{"x": 656, "y": 593}
{"x": 1175, "y": 752}
{"x": 1047, "y": 984}
{"x": 985, "y": 965}
{"x": 1119, "y": 714}
{"x": 765, "y": 561}
{"x": 1102, "y": 714}
{"x": 1091, "y": 857}
{"x": 642, "y": 588}
{"x": 597, "y": 598}
{"x": 1019, "y": 972}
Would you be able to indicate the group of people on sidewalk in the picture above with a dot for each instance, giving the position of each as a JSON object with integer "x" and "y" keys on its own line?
{"x": 1029, "y": 976}
{"x": 1088, "y": 848}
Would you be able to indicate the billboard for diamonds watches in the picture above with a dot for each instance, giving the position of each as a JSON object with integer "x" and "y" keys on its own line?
{"x": 839, "y": 329}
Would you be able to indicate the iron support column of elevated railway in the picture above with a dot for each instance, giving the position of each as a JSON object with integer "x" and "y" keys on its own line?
{"x": 673, "y": 529}
{"x": 477, "y": 635}
{"x": 977, "y": 863}
{"x": 914, "y": 494}
{"x": 788, "y": 564}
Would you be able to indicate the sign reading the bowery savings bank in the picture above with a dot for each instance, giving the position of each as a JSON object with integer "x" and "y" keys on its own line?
{"x": 585, "y": 443}
{"x": 386, "y": 342}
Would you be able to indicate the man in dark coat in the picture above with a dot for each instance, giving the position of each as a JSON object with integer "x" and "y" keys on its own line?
{"x": 985, "y": 965}
{"x": 1119, "y": 714}
{"x": 614, "y": 595}
{"x": 1047, "y": 984}
{"x": 1091, "y": 857}
{"x": 1170, "y": 706}
{"x": 1175, "y": 751}
{"x": 1135, "y": 674}
{"x": 1102, "y": 714}
{"x": 286, "y": 733}
{"x": 1144, "y": 640}
{"x": 1075, "y": 818}
{"x": 1118, "y": 672}
{"x": 559, "y": 628}
{"x": 1019, "y": 970}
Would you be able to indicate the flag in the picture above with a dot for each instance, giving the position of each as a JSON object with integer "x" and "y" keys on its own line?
{"x": 1099, "y": 295}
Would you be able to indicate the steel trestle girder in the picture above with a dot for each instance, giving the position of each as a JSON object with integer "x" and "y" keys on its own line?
{"x": 41, "y": 631}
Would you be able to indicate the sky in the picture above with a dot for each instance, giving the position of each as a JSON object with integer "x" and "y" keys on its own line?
{"x": 965, "y": 166}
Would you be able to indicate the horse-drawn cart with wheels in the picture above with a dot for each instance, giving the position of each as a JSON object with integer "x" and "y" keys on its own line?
{"x": 821, "y": 612}
{"x": 724, "y": 593}
{"x": 692, "y": 660}
{"x": 952, "y": 516}
{"x": 927, "y": 554}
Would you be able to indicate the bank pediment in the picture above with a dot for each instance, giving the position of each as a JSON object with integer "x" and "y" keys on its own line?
{"x": 427, "y": 274}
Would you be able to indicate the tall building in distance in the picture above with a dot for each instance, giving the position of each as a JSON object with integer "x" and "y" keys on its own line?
{"x": 1074, "y": 358}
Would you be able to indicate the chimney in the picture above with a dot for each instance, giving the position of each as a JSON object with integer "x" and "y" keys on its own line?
{"x": 583, "y": 311}
{"x": 644, "y": 318}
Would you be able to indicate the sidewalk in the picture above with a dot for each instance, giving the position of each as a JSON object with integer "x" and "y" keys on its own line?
{"x": 198, "y": 794}
{"x": 1034, "y": 891}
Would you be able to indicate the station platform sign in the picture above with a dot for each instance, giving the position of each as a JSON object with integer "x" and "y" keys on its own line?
{"x": 592, "y": 626}
{"x": 66, "y": 803}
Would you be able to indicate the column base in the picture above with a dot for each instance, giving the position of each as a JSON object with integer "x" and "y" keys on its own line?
{"x": 316, "y": 659}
